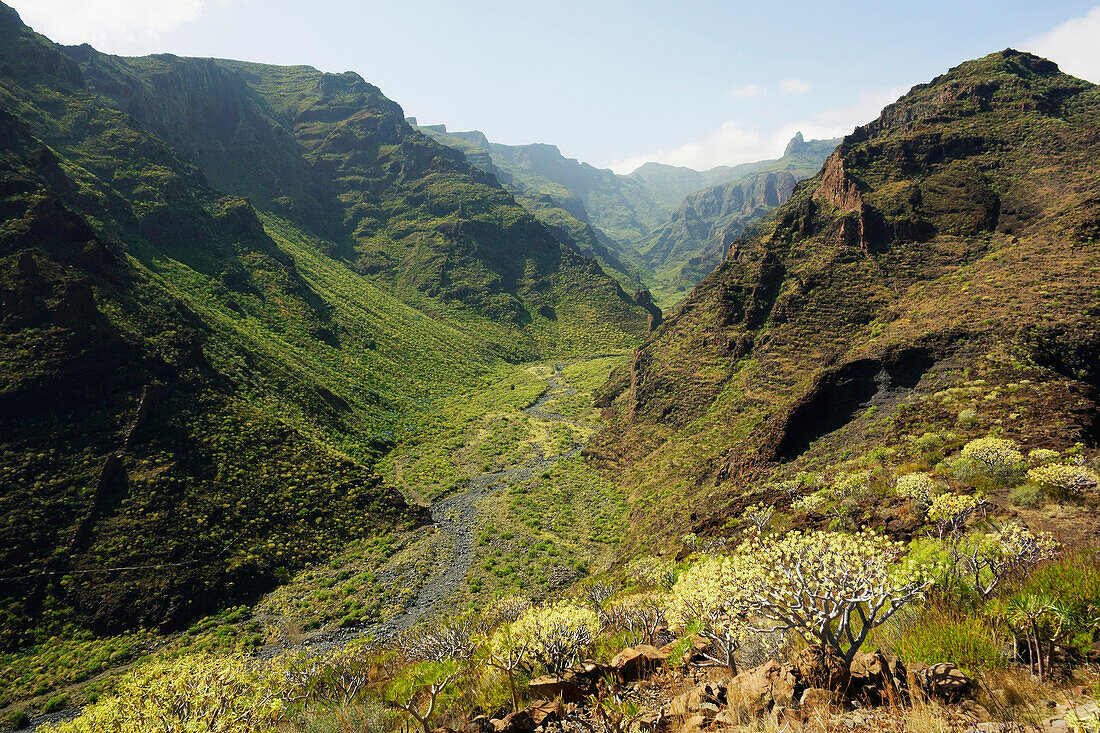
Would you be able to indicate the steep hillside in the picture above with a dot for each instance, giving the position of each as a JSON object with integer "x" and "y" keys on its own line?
{"x": 548, "y": 201}
{"x": 683, "y": 251}
{"x": 195, "y": 385}
{"x": 941, "y": 275}
{"x": 661, "y": 227}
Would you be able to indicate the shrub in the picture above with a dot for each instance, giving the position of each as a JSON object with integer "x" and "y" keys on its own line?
{"x": 920, "y": 487}
{"x": 1026, "y": 495}
{"x": 758, "y": 517}
{"x": 651, "y": 572}
{"x": 830, "y": 587}
{"x": 711, "y": 595}
{"x": 420, "y": 687}
{"x": 988, "y": 558}
{"x": 942, "y": 635}
{"x": 192, "y": 693}
{"x": 557, "y": 634}
{"x": 639, "y": 616}
{"x": 55, "y": 703}
{"x": 1042, "y": 455}
{"x": 18, "y": 719}
{"x": 1063, "y": 481}
{"x": 811, "y": 502}
{"x": 997, "y": 459}
{"x": 949, "y": 513}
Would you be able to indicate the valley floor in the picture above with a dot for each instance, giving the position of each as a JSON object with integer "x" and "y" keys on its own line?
{"x": 514, "y": 511}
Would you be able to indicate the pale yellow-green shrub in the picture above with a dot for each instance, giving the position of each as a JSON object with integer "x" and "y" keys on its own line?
{"x": 950, "y": 512}
{"x": 1064, "y": 481}
{"x": 831, "y": 587}
{"x": 712, "y": 595}
{"x": 920, "y": 487}
{"x": 557, "y": 634}
{"x": 191, "y": 694}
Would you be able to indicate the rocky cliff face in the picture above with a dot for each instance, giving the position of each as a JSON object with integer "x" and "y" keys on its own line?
{"x": 688, "y": 247}
{"x": 947, "y": 248}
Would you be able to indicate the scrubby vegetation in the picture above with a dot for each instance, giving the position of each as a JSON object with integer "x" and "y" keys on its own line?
{"x": 972, "y": 587}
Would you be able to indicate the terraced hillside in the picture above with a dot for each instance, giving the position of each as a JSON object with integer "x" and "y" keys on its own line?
{"x": 940, "y": 275}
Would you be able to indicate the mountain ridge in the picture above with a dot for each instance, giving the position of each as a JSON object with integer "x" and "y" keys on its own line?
{"x": 968, "y": 209}
{"x": 227, "y": 289}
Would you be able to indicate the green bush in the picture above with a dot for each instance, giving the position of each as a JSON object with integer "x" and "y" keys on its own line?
{"x": 55, "y": 703}
{"x": 1072, "y": 581}
{"x": 945, "y": 635}
{"x": 1026, "y": 495}
{"x": 18, "y": 719}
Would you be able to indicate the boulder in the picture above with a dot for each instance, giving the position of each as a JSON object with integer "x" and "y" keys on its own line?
{"x": 480, "y": 724}
{"x": 530, "y": 718}
{"x": 551, "y": 687}
{"x": 943, "y": 681}
{"x": 974, "y": 712}
{"x": 586, "y": 675}
{"x": 818, "y": 700}
{"x": 1092, "y": 656}
{"x": 822, "y": 667}
{"x": 877, "y": 678}
{"x": 760, "y": 689}
{"x": 706, "y": 699}
{"x": 637, "y": 662}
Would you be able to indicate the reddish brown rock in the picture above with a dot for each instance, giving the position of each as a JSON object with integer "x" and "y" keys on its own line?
{"x": 822, "y": 667}
{"x": 551, "y": 687}
{"x": 637, "y": 662}
{"x": 760, "y": 689}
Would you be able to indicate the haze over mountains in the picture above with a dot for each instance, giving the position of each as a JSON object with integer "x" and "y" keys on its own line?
{"x": 660, "y": 227}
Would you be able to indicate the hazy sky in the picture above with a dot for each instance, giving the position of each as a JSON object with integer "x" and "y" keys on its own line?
{"x": 614, "y": 83}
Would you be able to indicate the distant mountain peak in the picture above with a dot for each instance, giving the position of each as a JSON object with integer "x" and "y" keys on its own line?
{"x": 796, "y": 144}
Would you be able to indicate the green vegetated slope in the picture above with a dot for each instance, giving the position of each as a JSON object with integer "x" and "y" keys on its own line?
{"x": 687, "y": 248}
{"x": 228, "y": 289}
{"x": 941, "y": 274}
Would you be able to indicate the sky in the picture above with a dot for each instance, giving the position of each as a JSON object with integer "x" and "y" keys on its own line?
{"x": 614, "y": 83}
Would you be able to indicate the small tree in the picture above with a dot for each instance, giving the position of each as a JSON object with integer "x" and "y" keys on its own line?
{"x": 830, "y": 587}
{"x": 949, "y": 513}
{"x": 508, "y": 654}
{"x": 988, "y": 558}
{"x": 712, "y": 595}
{"x": 557, "y": 634}
{"x": 419, "y": 688}
{"x": 758, "y": 516}
{"x": 639, "y": 615}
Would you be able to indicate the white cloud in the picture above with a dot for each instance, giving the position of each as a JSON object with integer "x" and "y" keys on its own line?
{"x": 106, "y": 23}
{"x": 749, "y": 90}
{"x": 1074, "y": 46}
{"x": 795, "y": 86}
{"x": 734, "y": 143}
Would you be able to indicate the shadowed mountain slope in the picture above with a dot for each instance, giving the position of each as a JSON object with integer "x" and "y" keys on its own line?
{"x": 225, "y": 290}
